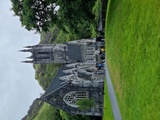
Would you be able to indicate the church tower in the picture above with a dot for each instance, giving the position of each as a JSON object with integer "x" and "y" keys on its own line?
{"x": 69, "y": 52}
{"x": 46, "y": 53}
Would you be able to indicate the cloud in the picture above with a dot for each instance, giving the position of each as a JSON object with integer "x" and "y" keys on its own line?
{"x": 18, "y": 88}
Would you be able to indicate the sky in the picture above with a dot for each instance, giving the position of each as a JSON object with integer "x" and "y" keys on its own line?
{"x": 18, "y": 87}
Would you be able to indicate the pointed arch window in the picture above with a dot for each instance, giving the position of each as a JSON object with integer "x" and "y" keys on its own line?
{"x": 72, "y": 97}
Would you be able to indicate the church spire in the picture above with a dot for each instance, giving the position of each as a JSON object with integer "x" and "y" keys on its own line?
{"x": 26, "y": 50}
{"x": 27, "y": 46}
{"x": 27, "y": 61}
{"x": 30, "y": 46}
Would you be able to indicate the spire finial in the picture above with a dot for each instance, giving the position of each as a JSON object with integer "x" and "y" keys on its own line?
{"x": 26, "y": 50}
{"x": 27, "y": 61}
{"x": 27, "y": 46}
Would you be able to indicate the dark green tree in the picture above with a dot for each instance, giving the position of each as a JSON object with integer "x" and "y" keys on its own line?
{"x": 35, "y": 14}
{"x": 72, "y": 16}
{"x": 76, "y": 15}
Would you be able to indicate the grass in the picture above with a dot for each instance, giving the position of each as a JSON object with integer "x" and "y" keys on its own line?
{"x": 47, "y": 112}
{"x": 133, "y": 54}
{"x": 107, "y": 112}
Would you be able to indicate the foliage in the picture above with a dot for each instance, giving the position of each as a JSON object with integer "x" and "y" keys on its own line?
{"x": 133, "y": 45}
{"x": 96, "y": 10}
{"x": 67, "y": 116}
{"x": 41, "y": 14}
{"x": 34, "y": 109}
{"x": 74, "y": 22}
{"x": 45, "y": 73}
{"x": 63, "y": 37}
{"x": 48, "y": 112}
{"x": 85, "y": 104}
{"x": 36, "y": 14}
{"x": 50, "y": 36}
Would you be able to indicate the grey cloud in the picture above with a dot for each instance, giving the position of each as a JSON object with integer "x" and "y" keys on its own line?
{"x": 18, "y": 88}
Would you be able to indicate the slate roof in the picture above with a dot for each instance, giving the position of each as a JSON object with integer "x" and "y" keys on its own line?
{"x": 56, "y": 82}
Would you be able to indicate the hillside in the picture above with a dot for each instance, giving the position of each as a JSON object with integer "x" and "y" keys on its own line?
{"x": 33, "y": 110}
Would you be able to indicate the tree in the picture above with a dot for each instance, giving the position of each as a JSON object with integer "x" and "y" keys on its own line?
{"x": 76, "y": 15}
{"x": 85, "y": 104}
{"x": 41, "y": 14}
{"x": 35, "y": 14}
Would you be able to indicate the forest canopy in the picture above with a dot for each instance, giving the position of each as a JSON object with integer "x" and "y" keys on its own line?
{"x": 40, "y": 15}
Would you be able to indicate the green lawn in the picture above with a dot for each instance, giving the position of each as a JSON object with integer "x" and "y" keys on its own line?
{"x": 133, "y": 54}
{"x": 107, "y": 113}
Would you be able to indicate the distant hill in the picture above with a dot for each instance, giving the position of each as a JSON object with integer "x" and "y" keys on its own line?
{"x": 33, "y": 110}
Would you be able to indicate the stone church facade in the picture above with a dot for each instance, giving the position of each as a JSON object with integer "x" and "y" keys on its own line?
{"x": 78, "y": 78}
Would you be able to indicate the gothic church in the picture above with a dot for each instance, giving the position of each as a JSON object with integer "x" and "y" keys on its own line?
{"x": 78, "y": 78}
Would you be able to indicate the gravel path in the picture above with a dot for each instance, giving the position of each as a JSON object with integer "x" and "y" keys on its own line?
{"x": 113, "y": 99}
